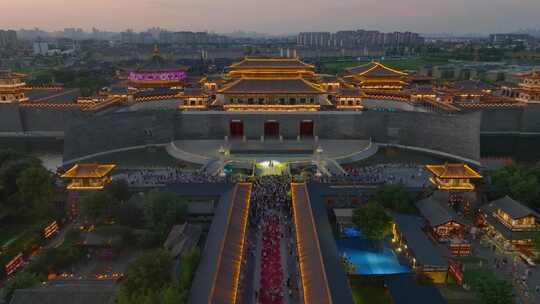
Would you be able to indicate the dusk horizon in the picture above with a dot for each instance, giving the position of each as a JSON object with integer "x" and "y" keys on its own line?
{"x": 279, "y": 18}
{"x": 269, "y": 152}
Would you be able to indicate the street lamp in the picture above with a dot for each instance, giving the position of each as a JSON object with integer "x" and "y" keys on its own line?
{"x": 222, "y": 152}
{"x": 318, "y": 153}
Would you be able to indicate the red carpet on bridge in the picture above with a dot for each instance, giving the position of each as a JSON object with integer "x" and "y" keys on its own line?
{"x": 271, "y": 288}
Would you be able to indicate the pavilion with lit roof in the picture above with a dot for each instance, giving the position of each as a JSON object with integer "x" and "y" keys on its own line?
{"x": 375, "y": 76}
{"x": 12, "y": 87}
{"x": 88, "y": 176}
{"x": 453, "y": 176}
{"x": 271, "y": 84}
{"x": 529, "y": 88}
{"x": 158, "y": 72}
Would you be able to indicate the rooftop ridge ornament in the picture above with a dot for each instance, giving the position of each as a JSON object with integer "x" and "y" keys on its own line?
{"x": 156, "y": 51}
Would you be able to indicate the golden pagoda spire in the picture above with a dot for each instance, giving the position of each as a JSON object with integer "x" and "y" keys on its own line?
{"x": 156, "y": 50}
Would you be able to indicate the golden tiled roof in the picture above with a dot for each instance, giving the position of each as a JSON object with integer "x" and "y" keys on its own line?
{"x": 374, "y": 69}
{"x": 257, "y": 62}
{"x": 272, "y": 86}
{"x": 88, "y": 171}
{"x": 453, "y": 171}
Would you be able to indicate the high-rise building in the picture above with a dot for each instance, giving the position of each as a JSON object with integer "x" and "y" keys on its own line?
{"x": 40, "y": 48}
{"x": 510, "y": 38}
{"x": 358, "y": 39}
{"x": 8, "y": 38}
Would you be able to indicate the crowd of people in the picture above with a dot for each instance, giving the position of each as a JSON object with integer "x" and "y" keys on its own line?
{"x": 271, "y": 279}
{"x": 162, "y": 176}
{"x": 407, "y": 174}
{"x": 271, "y": 218}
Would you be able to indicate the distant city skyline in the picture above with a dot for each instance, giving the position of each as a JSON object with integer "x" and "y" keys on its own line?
{"x": 275, "y": 17}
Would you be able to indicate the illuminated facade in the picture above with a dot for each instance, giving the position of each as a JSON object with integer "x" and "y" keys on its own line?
{"x": 271, "y": 84}
{"x": 453, "y": 176}
{"x": 88, "y": 176}
{"x": 12, "y": 87}
{"x": 529, "y": 90}
{"x": 375, "y": 76}
{"x": 444, "y": 225}
{"x": 425, "y": 256}
{"x": 509, "y": 222}
{"x": 157, "y": 73}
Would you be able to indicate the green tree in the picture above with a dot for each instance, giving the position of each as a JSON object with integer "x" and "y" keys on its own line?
{"x": 56, "y": 259}
{"x": 35, "y": 189}
{"x": 128, "y": 214}
{"x": 395, "y": 198}
{"x": 118, "y": 190}
{"x": 188, "y": 266}
{"x": 172, "y": 294}
{"x": 520, "y": 183}
{"x": 148, "y": 274}
{"x": 96, "y": 205}
{"x": 164, "y": 209}
{"x": 536, "y": 240}
{"x": 490, "y": 289}
{"x": 19, "y": 281}
{"x": 372, "y": 219}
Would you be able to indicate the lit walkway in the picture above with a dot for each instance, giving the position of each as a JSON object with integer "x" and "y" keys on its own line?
{"x": 323, "y": 279}
{"x": 218, "y": 275}
{"x": 342, "y": 151}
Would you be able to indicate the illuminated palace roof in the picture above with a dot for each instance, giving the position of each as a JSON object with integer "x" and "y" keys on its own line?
{"x": 7, "y": 74}
{"x": 453, "y": 176}
{"x": 282, "y": 63}
{"x": 158, "y": 72}
{"x": 374, "y": 69}
{"x": 270, "y": 68}
{"x": 272, "y": 86}
{"x": 10, "y": 80}
{"x": 535, "y": 74}
{"x": 530, "y": 81}
{"x": 453, "y": 171}
{"x": 513, "y": 208}
{"x": 375, "y": 76}
{"x": 88, "y": 171}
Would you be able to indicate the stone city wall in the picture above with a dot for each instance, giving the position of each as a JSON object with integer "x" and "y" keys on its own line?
{"x": 453, "y": 134}
{"x": 87, "y": 133}
{"x": 92, "y": 134}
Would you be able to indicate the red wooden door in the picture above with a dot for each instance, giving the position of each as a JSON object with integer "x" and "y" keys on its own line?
{"x": 306, "y": 128}
{"x": 237, "y": 128}
{"x": 271, "y": 128}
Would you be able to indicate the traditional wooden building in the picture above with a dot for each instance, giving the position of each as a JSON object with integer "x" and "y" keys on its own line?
{"x": 88, "y": 176}
{"x": 194, "y": 98}
{"x": 12, "y": 87}
{"x": 349, "y": 99}
{"x": 426, "y": 257}
{"x": 443, "y": 222}
{"x": 375, "y": 76}
{"x": 271, "y": 67}
{"x": 158, "y": 72}
{"x": 453, "y": 176}
{"x": 271, "y": 84}
{"x": 467, "y": 90}
{"x": 510, "y": 223}
{"x": 529, "y": 88}
{"x": 445, "y": 225}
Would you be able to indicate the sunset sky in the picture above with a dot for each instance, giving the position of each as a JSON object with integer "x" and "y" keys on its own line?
{"x": 275, "y": 16}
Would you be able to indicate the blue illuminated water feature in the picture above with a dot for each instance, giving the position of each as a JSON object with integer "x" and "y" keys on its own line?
{"x": 367, "y": 258}
{"x": 351, "y": 232}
